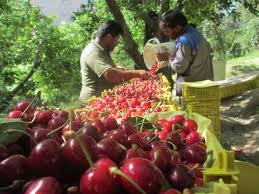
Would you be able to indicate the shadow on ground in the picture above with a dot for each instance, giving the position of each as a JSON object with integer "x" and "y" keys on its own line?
{"x": 240, "y": 125}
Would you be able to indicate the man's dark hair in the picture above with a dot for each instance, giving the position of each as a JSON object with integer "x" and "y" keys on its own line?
{"x": 109, "y": 27}
{"x": 173, "y": 18}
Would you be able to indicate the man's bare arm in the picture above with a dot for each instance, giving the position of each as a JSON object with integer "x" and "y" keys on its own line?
{"x": 116, "y": 75}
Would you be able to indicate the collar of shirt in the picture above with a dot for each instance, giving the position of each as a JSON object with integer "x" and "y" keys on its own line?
{"x": 99, "y": 46}
{"x": 184, "y": 30}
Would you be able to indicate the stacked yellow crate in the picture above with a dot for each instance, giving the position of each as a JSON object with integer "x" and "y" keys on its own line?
{"x": 238, "y": 84}
{"x": 203, "y": 97}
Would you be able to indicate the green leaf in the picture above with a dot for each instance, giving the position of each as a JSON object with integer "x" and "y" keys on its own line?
{"x": 5, "y": 124}
{"x": 142, "y": 123}
{"x": 166, "y": 185}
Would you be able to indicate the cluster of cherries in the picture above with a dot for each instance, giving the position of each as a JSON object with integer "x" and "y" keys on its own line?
{"x": 64, "y": 154}
{"x": 134, "y": 98}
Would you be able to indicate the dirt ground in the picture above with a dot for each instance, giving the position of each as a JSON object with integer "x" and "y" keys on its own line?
{"x": 240, "y": 125}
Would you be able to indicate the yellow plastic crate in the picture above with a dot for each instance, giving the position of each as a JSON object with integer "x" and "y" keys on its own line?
{"x": 222, "y": 174}
{"x": 233, "y": 90}
{"x": 248, "y": 180}
{"x": 238, "y": 84}
{"x": 203, "y": 97}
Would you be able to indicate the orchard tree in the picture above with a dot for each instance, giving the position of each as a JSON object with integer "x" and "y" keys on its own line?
{"x": 140, "y": 18}
{"x": 36, "y": 54}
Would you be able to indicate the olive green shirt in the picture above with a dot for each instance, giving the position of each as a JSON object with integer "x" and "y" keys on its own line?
{"x": 94, "y": 61}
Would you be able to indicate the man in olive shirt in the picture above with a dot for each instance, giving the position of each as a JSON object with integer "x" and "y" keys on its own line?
{"x": 98, "y": 70}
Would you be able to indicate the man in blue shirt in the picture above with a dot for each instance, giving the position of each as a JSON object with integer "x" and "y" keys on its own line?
{"x": 192, "y": 60}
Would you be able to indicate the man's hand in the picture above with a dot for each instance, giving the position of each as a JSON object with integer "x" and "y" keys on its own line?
{"x": 142, "y": 74}
{"x": 162, "y": 56}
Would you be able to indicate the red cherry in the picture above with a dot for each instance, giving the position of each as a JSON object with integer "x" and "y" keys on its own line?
{"x": 199, "y": 182}
{"x": 75, "y": 126}
{"x": 136, "y": 152}
{"x": 92, "y": 131}
{"x": 110, "y": 123}
{"x": 173, "y": 138}
{"x": 119, "y": 135}
{"x": 182, "y": 135}
{"x": 193, "y": 137}
{"x": 128, "y": 128}
{"x": 165, "y": 124}
{"x": 163, "y": 134}
{"x": 99, "y": 179}
{"x": 48, "y": 185}
{"x": 14, "y": 114}
{"x": 189, "y": 125}
{"x": 61, "y": 113}
{"x": 161, "y": 157}
{"x": 45, "y": 158}
{"x": 157, "y": 109}
{"x": 181, "y": 177}
{"x": 141, "y": 170}
{"x": 194, "y": 153}
{"x": 13, "y": 168}
{"x": 56, "y": 122}
{"x": 43, "y": 116}
{"x": 40, "y": 134}
{"x": 135, "y": 138}
{"x": 111, "y": 149}
{"x": 99, "y": 125}
{"x": 21, "y": 106}
{"x": 74, "y": 154}
{"x": 177, "y": 119}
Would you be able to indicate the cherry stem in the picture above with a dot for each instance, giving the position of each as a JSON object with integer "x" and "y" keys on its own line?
{"x": 176, "y": 131}
{"x": 91, "y": 122}
{"x": 152, "y": 139}
{"x": 122, "y": 146}
{"x": 32, "y": 101}
{"x": 63, "y": 138}
{"x": 60, "y": 127}
{"x": 210, "y": 153}
{"x": 117, "y": 171}
{"x": 70, "y": 120}
{"x": 142, "y": 124}
{"x": 15, "y": 184}
{"x": 33, "y": 119}
{"x": 157, "y": 154}
{"x": 174, "y": 146}
{"x": 20, "y": 131}
{"x": 86, "y": 152}
{"x": 134, "y": 146}
{"x": 73, "y": 189}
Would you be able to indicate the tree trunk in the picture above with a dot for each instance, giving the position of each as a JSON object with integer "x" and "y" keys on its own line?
{"x": 180, "y": 5}
{"x": 131, "y": 46}
{"x": 36, "y": 64}
{"x": 164, "y": 7}
{"x": 220, "y": 42}
{"x": 151, "y": 30}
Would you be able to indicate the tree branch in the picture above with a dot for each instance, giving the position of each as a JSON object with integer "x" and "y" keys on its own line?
{"x": 179, "y": 5}
{"x": 164, "y": 7}
{"x": 131, "y": 46}
{"x": 36, "y": 64}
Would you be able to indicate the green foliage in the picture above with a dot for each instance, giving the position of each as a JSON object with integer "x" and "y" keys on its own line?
{"x": 23, "y": 27}
{"x": 247, "y": 63}
{"x": 239, "y": 34}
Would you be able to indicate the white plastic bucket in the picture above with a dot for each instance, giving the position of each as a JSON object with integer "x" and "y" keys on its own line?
{"x": 219, "y": 69}
{"x": 153, "y": 47}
